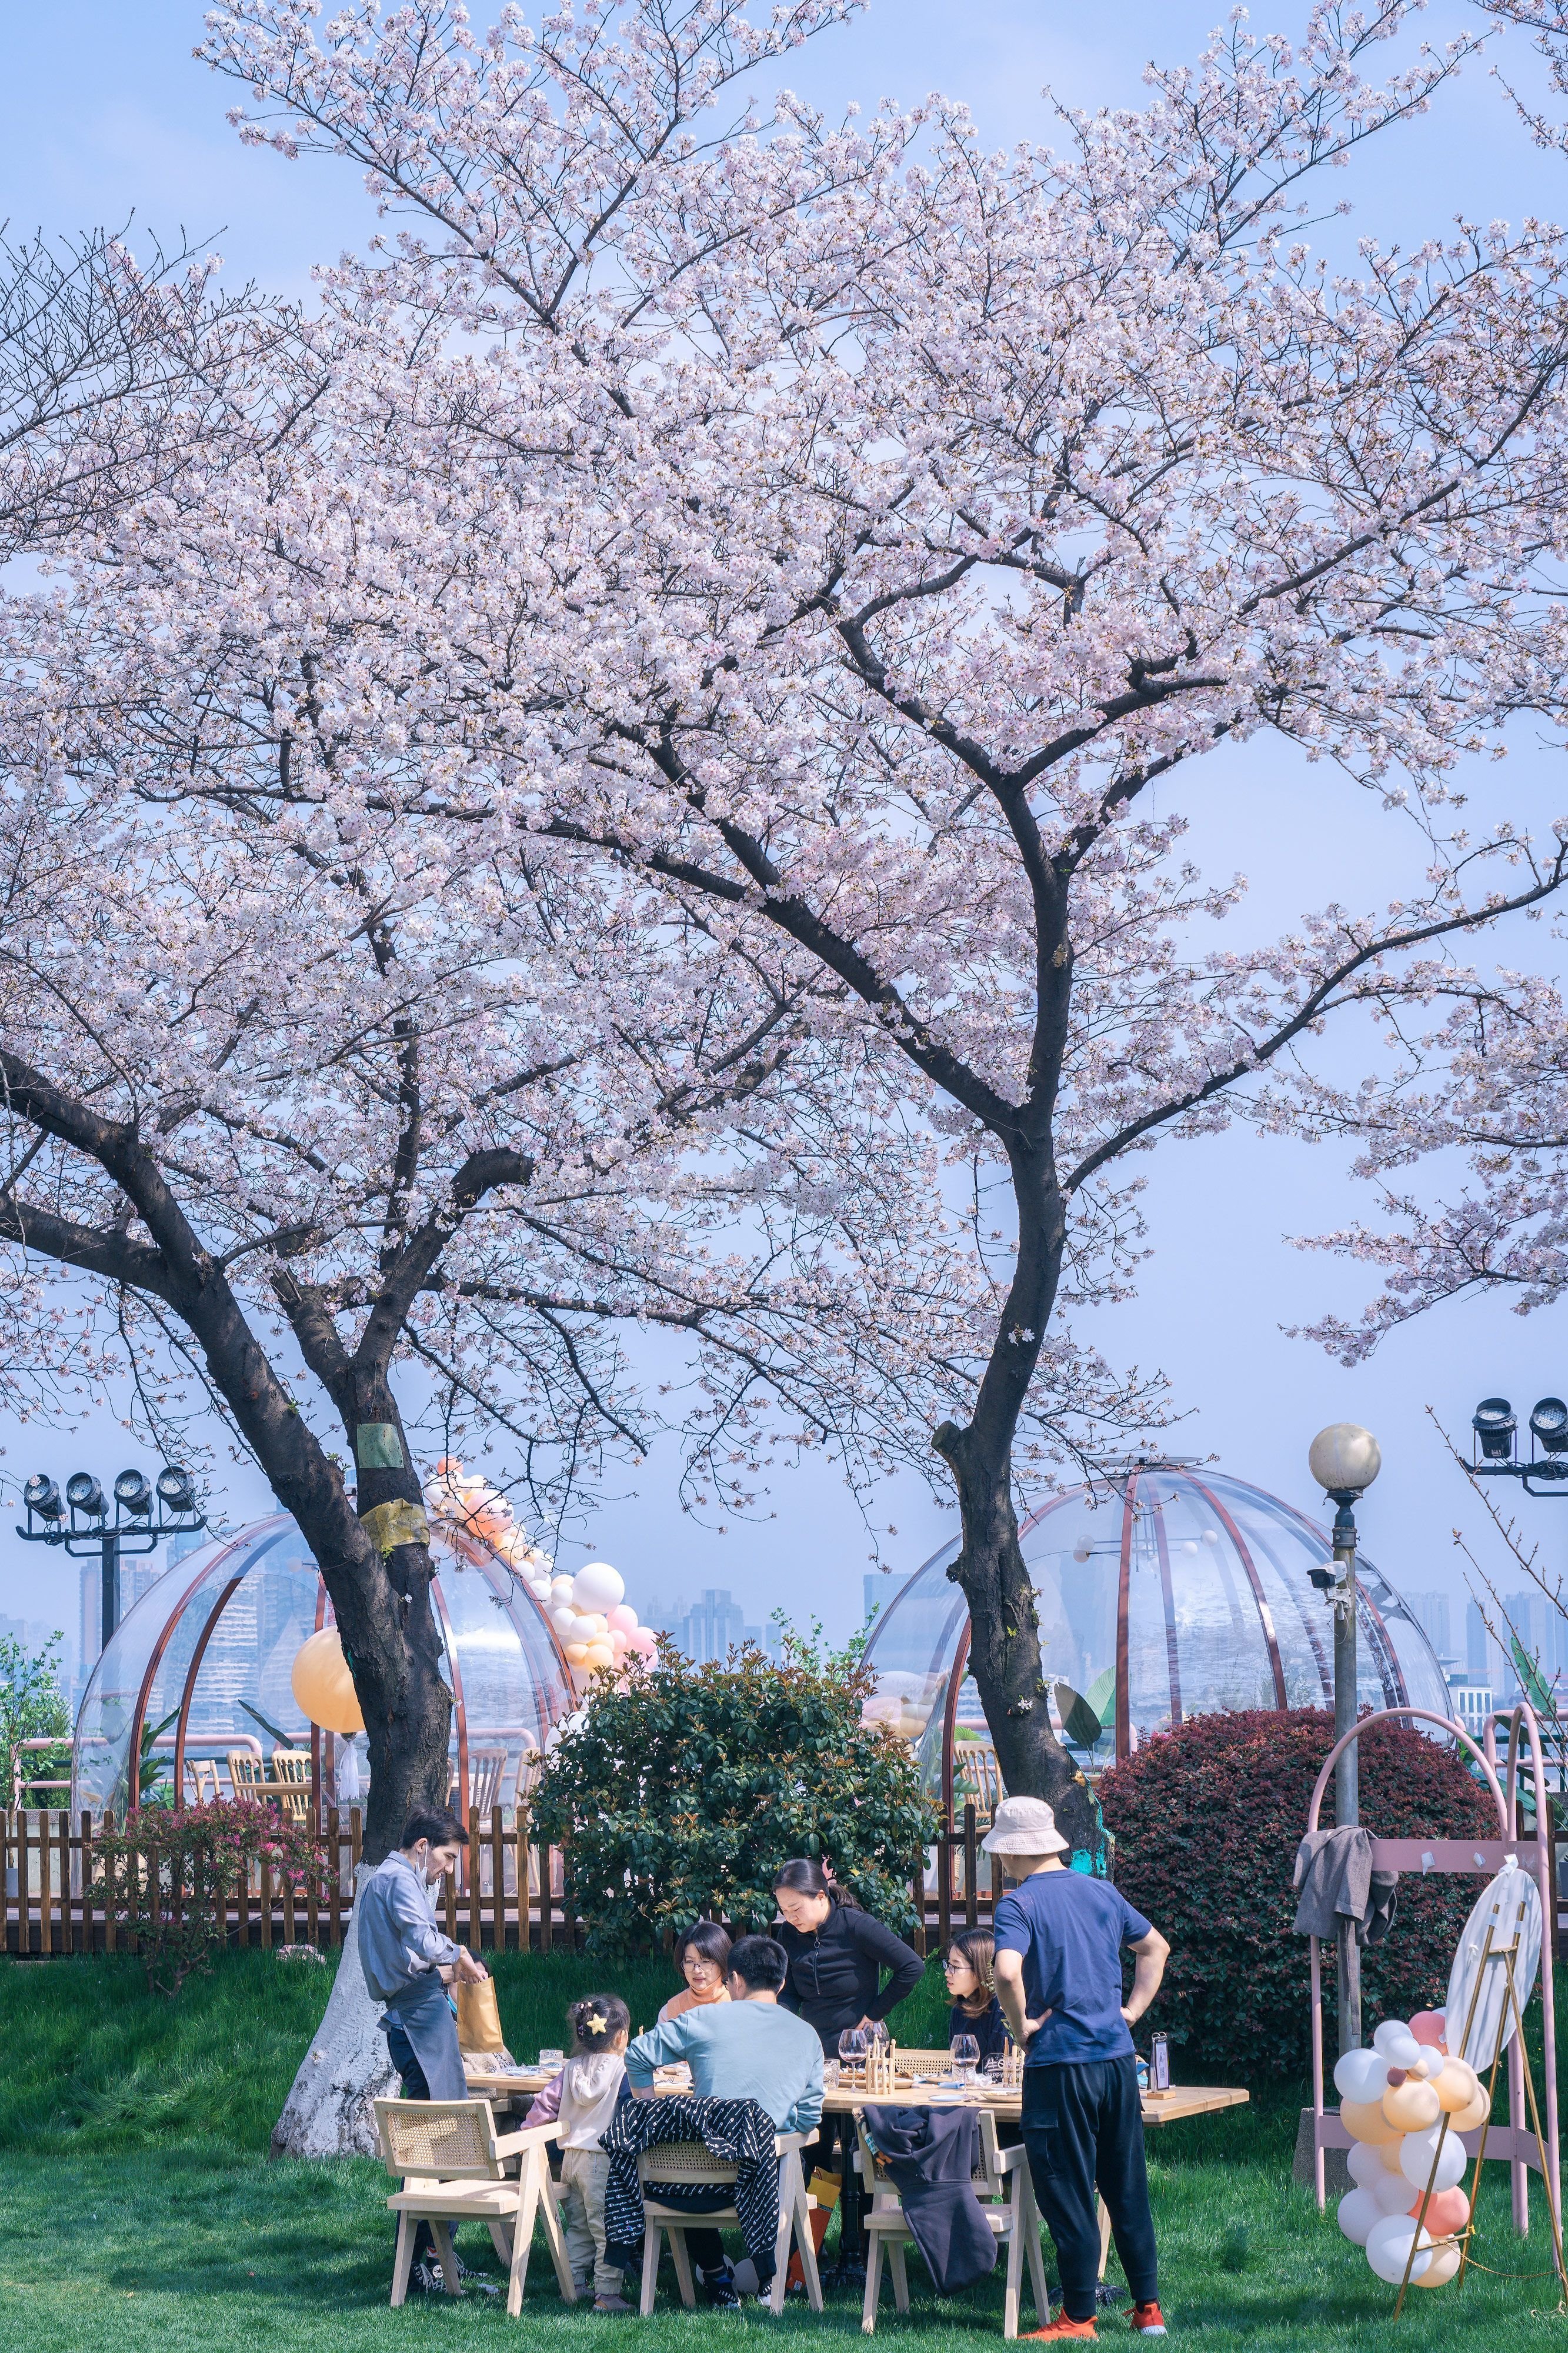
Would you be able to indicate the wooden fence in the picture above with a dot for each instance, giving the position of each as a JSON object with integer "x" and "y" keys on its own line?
{"x": 52, "y": 1872}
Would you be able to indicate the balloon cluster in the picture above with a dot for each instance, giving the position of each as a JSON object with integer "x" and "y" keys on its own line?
{"x": 1393, "y": 2102}
{"x": 596, "y": 1624}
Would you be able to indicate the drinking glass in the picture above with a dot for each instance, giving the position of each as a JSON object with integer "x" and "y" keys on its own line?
{"x": 965, "y": 2052}
{"x": 852, "y": 2048}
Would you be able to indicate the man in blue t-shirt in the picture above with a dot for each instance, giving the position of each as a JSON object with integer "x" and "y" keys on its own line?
{"x": 1059, "y": 1936}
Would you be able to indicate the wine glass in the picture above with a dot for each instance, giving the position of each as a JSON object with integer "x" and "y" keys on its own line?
{"x": 852, "y": 2049}
{"x": 965, "y": 2049}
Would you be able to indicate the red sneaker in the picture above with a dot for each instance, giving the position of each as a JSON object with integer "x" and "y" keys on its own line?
{"x": 1061, "y": 2329}
{"x": 1148, "y": 2320}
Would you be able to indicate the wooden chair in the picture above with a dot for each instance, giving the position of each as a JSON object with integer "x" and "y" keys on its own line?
{"x": 201, "y": 1781}
{"x": 246, "y": 1777}
{"x": 449, "y": 2159}
{"x": 689, "y": 2162}
{"x": 975, "y": 1776}
{"x": 293, "y": 1766}
{"x": 485, "y": 1766}
{"x": 1007, "y": 2201}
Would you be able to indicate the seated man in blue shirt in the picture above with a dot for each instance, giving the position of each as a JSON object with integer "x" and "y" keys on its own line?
{"x": 744, "y": 2049}
{"x": 1059, "y": 1936}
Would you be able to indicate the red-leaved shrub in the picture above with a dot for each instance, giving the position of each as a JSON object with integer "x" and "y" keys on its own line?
{"x": 169, "y": 1874}
{"x": 1207, "y": 1819}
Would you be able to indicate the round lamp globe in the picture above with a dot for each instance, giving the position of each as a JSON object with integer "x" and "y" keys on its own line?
{"x": 1344, "y": 1459}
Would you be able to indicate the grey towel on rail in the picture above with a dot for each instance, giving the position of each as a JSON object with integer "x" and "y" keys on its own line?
{"x": 1334, "y": 1881}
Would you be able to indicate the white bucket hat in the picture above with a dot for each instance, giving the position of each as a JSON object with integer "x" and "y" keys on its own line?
{"x": 1024, "y": 1826}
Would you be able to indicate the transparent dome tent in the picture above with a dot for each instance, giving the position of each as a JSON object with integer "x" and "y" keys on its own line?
{"x": 198, "y": 1675}
{"x": 1163, "y": 1593}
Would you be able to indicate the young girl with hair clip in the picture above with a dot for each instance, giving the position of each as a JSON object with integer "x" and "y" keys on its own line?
{"x": 584, "y": 2096}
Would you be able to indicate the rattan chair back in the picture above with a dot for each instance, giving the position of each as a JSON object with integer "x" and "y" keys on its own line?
{"x": 442, "y": 2140}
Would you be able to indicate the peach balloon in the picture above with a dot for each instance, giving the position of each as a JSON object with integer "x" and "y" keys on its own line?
{"x": 1411, "y": 2106}
{"x": 1447, "y": 2210}
{"x": 1471, "y": 2119}
{"x": 1426, "y": 2026}
{"x": 576, "y": 1653}
{"x": 1365, "y": 2120}
{"x": 1457, "y": 2085}
{"x": 323, "y": 1685}
{"x": 1444, "y": 2263}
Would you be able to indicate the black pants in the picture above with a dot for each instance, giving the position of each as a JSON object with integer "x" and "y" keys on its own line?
{"x": 1083, "y": 2127}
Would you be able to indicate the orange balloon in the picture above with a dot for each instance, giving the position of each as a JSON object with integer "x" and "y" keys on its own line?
{"x": 1447, "y": 2210}
{"x": 1412, "y": 2105}
{"x": 1457, "y": 2085}
{"x": 1365, "y": 2120}
{"x": 323, "y": 1685}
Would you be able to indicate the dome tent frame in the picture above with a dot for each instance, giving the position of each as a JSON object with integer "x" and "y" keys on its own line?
{"x": 253, "y": 1550}
{"x": 1262, "y": 1644}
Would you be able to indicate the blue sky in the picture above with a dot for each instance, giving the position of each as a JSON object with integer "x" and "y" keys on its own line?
{"x": 103, "y": 113}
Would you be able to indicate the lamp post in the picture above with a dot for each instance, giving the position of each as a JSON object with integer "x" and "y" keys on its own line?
{"x": 80, "y": 1520}
{"x": 1344, "y": 1459}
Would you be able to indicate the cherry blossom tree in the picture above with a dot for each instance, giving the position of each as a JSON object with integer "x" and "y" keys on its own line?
{"x": 878, "y": 532}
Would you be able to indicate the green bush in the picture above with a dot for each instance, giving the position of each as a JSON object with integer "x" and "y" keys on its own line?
{"x": 1207, "y": 1819}
{"x": 680, "y": 1794}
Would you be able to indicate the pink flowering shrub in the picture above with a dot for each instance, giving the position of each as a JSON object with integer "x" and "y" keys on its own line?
{"x": 170, "y": 1875}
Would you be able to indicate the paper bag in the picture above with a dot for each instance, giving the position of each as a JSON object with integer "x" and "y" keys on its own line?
{"x": 479, "y": 2017}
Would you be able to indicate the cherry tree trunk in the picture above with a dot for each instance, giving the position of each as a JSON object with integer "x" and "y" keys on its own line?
{"x": 329, "y": 2111}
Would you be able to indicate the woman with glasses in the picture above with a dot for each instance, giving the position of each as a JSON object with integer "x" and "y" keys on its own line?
{"x": 969, "y": 1968}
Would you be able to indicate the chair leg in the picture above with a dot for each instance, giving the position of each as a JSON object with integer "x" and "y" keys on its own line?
{"x": 898, "y": 2264}
{"x": 682, "y": 2266}
{"x": 446, "y": 2257}
{"x": 523, "y": 2233}
{"x": 782, "y": 2236}
{"x": 873, "y": 2283}
{"x": 555, "y": 2236}
{"x": 650, "y": 2239}
{"x": 1014, "y": 2272}
{"x": 805, "y": 2242}
{"x": 403, "y": 2261}
{"x": 1030, "y": 2224}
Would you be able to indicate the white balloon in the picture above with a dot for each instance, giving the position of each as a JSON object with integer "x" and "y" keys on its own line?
{"x": 1394, "y": 2042}
{"x": 563, "y": 1620}
{"x": 1359, "y": 2215}
{"x": 1393, "y": 2194}
{"x": 1362, "y": 2076}
{"x": 587, "y": 1627}
{"x": 1388, "y": 2249}
{"x": 598, "y": 1586}
{"x": 1366, "y": 2164}
{"x": 1417, "y": 2151}
{"x": 560, "y": 1591}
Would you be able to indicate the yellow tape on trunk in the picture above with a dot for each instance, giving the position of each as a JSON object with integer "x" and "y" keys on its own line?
{"x": 397, "y": 1523}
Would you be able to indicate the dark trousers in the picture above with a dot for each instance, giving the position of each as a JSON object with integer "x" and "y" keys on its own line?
{"x": 405, "y": 2059}
{"x": 1083, "y": 2127}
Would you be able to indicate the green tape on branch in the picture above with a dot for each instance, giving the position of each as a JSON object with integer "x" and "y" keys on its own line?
{"x": 397, "y": 1523}
{"x": 378, "y": 1446}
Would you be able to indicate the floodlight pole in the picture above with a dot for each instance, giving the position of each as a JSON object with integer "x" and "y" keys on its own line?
{"x": 139, "y": 1524}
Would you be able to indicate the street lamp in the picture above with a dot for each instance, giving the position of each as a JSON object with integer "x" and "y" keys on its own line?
{"x": 1344, "y": 1459}
{"x": 80, "y": 1520}
{"x": 1495, "y": 1430}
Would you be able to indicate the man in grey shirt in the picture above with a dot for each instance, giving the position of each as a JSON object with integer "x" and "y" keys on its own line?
{"x": 408, "y": 1963}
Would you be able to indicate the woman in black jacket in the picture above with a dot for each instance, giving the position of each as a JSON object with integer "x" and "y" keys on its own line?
{"x": 836, "y": 1955}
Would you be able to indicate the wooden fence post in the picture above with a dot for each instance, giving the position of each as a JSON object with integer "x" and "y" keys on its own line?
{"x": 498, "y": 1881}
{"x": 918, "y": 1897}
{"x": 945, "y": 1882}
{"x": 334, "y": 1878}
{"x": 970, "y": 1868}
{"x": 546, "y": 1898}
{"x": 476, "y": 1921}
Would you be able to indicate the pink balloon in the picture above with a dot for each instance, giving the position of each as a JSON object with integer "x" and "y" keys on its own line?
{"x": 644, "y": 1641}
{"x": 623, "y": 1616}
{"x": 1427, "y": 2027}
{"x": 1446, "y": 2210}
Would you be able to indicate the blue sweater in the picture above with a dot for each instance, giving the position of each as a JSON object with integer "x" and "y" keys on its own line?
{"x": 740, "y": 2051}
{"x": 990, "y": 2030}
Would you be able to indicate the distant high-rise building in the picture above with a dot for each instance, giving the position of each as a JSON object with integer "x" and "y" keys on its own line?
{"x": 713, "y": 1626}
{"x": 879, "y": 1589}
{"x": 1482, "y": 1655}
{"x": 1430, "y": 1611}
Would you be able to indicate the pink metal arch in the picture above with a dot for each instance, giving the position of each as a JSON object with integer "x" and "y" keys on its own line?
{"x": 1464, "y": 1855}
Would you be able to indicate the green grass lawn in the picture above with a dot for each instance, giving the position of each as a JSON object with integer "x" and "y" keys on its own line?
{"x": 141, "y": 2214}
